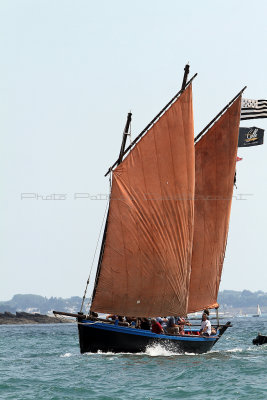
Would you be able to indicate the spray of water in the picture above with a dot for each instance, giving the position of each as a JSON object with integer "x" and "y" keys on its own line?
{"x": 66, "y": 355}
{"x": 157, "y": 350}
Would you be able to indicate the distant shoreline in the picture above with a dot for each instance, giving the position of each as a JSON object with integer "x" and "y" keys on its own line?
{"x": 21, "y": 318}
{"x": 232, "y": 303}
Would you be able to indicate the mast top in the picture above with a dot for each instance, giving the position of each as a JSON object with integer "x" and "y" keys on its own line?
{"x": 186, "y": 72}
{"x": 124, "y": 137}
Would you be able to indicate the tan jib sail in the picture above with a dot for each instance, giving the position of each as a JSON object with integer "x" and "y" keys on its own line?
{"x": 146, "y": 262}
{"x": 215, "y": 158}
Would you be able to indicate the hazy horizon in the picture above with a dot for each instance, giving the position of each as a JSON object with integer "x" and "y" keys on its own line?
{"x": 73, "y": 295}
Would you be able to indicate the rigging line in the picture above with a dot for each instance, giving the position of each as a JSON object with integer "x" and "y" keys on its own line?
{"x": 130, "y": 136}
{"x": 110, "y": 184}
{"x": 88, "y": 306}
{"x": 88, "y": 280}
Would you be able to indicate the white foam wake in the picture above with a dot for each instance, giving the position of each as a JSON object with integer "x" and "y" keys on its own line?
{"x": 157, "y": 350}
{"x": 66, "y": 355}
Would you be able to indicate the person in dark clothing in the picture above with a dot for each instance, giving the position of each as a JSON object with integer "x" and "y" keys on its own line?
{"x": 145, "y": 324}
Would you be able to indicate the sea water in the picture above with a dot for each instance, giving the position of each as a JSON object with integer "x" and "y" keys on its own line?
{"x": 44, "y": 362}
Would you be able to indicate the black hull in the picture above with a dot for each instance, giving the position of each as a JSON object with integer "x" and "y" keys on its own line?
{"x": 96, "y": 337}
{"x": 260, "y": 339}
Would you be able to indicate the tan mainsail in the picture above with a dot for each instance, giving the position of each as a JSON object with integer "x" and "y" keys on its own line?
{"x": 215, "y": 158}
{"x": 146, "y": 263}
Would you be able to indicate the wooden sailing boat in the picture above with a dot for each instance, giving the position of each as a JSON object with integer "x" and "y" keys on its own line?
{"x": 166, "y": 229}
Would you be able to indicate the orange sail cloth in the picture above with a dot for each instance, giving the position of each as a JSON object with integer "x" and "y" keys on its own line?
{"x": 215, "y": 155}
{"x": 146, "y": 263}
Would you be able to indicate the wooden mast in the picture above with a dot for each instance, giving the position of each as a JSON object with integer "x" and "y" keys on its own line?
{"x": 186, "y": 72}
{"x": 124, "y": 137}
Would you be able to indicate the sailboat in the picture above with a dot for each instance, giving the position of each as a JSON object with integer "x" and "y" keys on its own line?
{"x": 258, "y": 312}
{"x": 165, "y": 235}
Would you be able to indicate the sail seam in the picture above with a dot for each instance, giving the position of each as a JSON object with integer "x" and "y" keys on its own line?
{"x": 174, "y": 174}
{"x": 158, "y": 168}
{"x": 204, "y": 223}
{"x": 190, "y": 233}
{"x": 124, "y": 248}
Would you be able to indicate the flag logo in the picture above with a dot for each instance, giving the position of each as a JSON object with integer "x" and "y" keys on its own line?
{"x": 251, "y": 109}
{"x": 250, "y": 137}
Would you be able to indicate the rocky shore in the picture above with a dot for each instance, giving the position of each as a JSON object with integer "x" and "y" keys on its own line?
{"x": 8, "y": 318}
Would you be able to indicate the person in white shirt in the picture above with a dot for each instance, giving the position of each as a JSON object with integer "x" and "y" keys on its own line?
{"x": 205, "y": 329}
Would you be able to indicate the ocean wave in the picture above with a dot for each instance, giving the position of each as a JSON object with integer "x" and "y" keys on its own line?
{"x": 66, "y": 355}
{"x": 235, "y": 350}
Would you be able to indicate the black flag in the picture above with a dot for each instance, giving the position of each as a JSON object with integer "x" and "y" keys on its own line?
{"x": 250, "y": 137}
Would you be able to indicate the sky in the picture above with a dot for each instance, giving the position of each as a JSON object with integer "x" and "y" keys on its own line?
{"x": 70, "y": 71}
